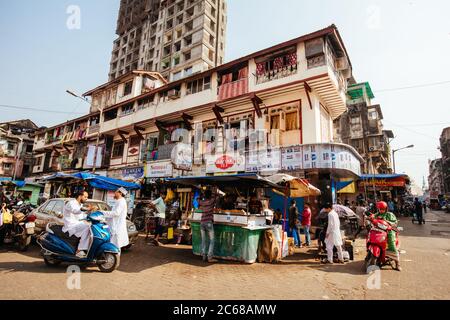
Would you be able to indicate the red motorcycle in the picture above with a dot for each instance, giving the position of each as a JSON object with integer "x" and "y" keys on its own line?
{"x": 377, "y": 242}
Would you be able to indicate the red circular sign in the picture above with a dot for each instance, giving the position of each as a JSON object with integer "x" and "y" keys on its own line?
{"x": 225, "y": 162}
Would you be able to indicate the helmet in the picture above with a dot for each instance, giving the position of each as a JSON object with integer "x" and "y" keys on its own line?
{"x": 381, "y": 205}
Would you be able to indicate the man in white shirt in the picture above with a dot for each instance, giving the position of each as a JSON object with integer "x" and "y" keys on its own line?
{"x": 74, "y": 225}
{"x": 117, "y": 219}
{"x": 160, "y": 208}
{"x": 333, "y": 236}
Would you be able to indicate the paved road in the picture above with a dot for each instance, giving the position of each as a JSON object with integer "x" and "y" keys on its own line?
{"x": 172, "y": 272}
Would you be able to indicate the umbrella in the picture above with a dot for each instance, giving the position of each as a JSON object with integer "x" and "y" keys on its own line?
{"x": 344, "y": 212}
{"x": 297, "y": 188}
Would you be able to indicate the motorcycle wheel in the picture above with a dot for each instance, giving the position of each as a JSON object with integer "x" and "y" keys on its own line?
{"x": 111, "y": 264}
{"x": 24, "y": 242}
{"x": 139, "y": 222}
{"x": 370, "y": 260}
{"x": 50, "y": 262}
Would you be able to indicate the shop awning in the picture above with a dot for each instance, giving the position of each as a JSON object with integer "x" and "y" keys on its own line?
{"x": 5, "y": 179}
{"x": 298, "y": 188}
{"x": 247, "y": 179}
{"x": 95, "y": 180}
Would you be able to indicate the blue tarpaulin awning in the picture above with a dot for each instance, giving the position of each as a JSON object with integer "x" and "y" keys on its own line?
{"x": 96, "y": 181}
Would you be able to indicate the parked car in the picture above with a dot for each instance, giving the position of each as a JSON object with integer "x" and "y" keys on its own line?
{"x": 52, "y": 211}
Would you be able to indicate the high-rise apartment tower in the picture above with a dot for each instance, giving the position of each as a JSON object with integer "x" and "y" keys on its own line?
{"x": 174, "y": 37}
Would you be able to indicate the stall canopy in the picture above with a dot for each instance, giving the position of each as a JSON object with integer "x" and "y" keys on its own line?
{"x": 247, "y": 180}
{"x": 297, "y": 188}
{"x": 95, "y": 180}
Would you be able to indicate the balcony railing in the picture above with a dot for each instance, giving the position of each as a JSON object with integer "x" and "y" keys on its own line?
{"x": 233, "y": 89}
{"x": 94, "y": 128}
{"x": 283, "y": 72}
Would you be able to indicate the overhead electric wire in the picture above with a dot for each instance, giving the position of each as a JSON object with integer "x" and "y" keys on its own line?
{"x": 414, "y": 86}
{"x": 413, "y": 131}
{"x": 37, "y": 109}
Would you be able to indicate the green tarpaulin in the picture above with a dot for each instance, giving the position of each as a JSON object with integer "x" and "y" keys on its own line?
{"x": 231, "y": 242}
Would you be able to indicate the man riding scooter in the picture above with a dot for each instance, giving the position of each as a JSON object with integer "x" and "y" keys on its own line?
{"x": 73, "y": 224}
{"x": 389, "y": 217}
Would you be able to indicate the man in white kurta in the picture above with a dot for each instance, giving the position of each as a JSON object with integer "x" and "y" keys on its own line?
{"x": 333, "y": 235}
{"x": 74, "y": 226}
{"x": 117, "y": 219}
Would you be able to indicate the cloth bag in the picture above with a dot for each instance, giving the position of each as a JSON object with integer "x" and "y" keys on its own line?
{"x": 6, "y": 216}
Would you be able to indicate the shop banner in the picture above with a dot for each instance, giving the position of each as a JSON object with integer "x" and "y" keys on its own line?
{"x": 162, "y": 169}
{"x": 223, "y": 163}
{"x": 392, "y": 182}
{"x": 131, "y": 174}
{"x": 292, "y": 158}
{"x": 263, "y": 160}
{"x": 321, "y": 156}
{"x": 310, "y": 158}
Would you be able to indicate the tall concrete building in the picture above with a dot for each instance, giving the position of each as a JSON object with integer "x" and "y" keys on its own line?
{"x": 361, "y": 127}
{"x": 177, "y": 38}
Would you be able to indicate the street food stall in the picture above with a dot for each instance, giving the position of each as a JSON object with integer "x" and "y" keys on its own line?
{"x": 239, "y": 218}
{"x": 237, "y": 230}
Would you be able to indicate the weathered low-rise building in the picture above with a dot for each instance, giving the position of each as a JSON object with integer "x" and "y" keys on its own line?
{"x": 361, "y": 127}
{"x": 272, "y": 110}
{"x": 16, "y": 148}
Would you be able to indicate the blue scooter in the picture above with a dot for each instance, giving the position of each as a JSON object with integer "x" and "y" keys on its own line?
{"x": 57, "y": 246}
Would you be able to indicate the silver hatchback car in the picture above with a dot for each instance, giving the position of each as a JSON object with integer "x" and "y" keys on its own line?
{"x": 52, "y": 211}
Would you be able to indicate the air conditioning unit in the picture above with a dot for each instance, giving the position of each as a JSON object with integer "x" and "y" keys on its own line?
{"x": 342, "y": 63}
{"x": 173, "y": 94}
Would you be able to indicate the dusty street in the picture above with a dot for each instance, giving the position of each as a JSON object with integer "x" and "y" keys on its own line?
{"x": 172, "y": 272}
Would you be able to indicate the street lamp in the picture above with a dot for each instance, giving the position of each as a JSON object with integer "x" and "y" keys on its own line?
{"x": 394, "y": 151}
{"x": 98, "y": 133}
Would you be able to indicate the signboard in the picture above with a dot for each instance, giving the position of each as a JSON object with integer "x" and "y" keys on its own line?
{"x": 292, "y": 158}
{"x": 221, "y": 163}
{"x": 393, "y": 182}
{"x": 310, "y": 157}
{"x": 182, "y": 156}
{"x": 321, "y": 156}
{"x": 264, "y": 160}
{"x": 131, "y": 174}
{"x": 324, "y": 156}
{"x": 161, "y": 169}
